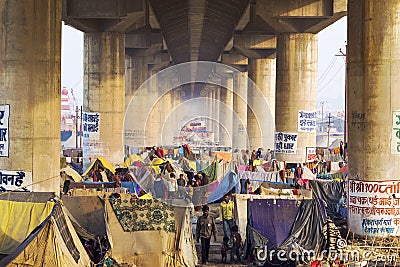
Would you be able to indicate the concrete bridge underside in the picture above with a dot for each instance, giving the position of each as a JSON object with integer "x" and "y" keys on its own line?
{"x": 127, "y": 41}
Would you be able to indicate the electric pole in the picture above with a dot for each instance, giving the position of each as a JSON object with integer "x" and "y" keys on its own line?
{"x": 322, "y": 115}
{"x": 76, "y": 126}
{"x": 329, "y": 127}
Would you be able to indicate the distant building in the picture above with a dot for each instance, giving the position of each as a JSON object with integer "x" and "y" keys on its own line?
{"x": 68, "y": 117}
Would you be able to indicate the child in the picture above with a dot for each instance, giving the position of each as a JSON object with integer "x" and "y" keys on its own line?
{"x": 224, "y": 249}
{"x": 237, "y": 243}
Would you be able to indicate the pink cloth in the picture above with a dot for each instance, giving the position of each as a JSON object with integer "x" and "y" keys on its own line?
{"x": 302, "y": 182}
{"x": 243, "y": 168}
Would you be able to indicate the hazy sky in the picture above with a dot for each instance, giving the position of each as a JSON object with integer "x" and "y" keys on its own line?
{"x": 331, "y": 67}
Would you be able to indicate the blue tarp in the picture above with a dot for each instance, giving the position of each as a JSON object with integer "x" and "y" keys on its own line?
{"x": 65, "y": 135}
{"x": 273, "y": 218}
{"x": 225, "y": 186}
{"x": 132, "y": 186}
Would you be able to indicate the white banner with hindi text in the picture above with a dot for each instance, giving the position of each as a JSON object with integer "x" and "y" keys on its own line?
{"x": 286, "y": 143}
{"x": 307, "y": 121}
{"x": 91, "y": 126}
{"x": 374, "y": 207}
{"x": 15, "y": 181}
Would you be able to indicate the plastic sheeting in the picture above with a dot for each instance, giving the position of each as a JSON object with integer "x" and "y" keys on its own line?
{"x": 20, "y": 220}
{"x": 241, "y": 212}
{"x": 331, "y": 192}
{"x": 71, "y": 172}
{"x": 105, "y": 164}
{"x": 273, "y": 218}
{"x": 152, "y": 247}
{"x": 52, "y": 243}
{"x": 307, "y": 229}
{"x": 226, "y": 185}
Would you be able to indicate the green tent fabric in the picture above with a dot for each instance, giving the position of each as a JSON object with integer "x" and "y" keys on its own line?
{"x": 212, "y": 171}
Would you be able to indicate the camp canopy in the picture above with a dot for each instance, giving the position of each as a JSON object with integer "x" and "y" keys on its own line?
{"x": 100, "y": 162}
{"x": 153, "y": 233}
{"x": 105, "y": 164}
{"x": 131, "y": 159}
{"x": 72, "y": 173}
{"x": 39, "y": 234}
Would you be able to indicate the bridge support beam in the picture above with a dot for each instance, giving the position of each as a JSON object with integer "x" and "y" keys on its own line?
{"x": 240, "y": 136}
{"x": 373, "y": 63}
{"x": 30, "y": 73}
{"x": 263, "y": 73}
{"x": 296, "y": 88}
{"x": 104, "y": 93}
{"x": 226, "y": 112}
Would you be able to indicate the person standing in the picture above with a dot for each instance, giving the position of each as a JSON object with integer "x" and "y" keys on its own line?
{"x": 172, "y": 186}
{"x": 181, "y": 182}
{"x": 205, "y": 228}
{"x": 226, "y": 216}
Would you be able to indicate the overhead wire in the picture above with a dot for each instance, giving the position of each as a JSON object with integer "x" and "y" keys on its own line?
{"x": 330, "y": 80}
{"x": 326, "y": 72}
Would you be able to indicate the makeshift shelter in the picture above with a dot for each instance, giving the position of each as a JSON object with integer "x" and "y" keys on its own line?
{"x": 132, "y": 159}
{"x": 153, "y": 233}
{"x": 100, "y": 163}
{"x": 76, "y": 177}
{"x": 39, "y": 234}
{"x": 331, "y": 192}
{"x": 226, "y": 185}
{"x": 291, "y": 223}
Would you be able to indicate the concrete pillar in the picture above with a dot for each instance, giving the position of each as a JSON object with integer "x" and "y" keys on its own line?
{"x": 373, "y": 58}
{"x": 263, "y": 73}
{"x": 30, "y": 74}
{"x": 217, "y": 92}
{"x": 296, "y": 87}
{"x": 240, "y": 108}
{"x": 210, "y": 123}
{"x": 165, "y": 107}
{"x": 153, "y": 130}
{"x": 104, "y": 91}
{"x": 226, "y": 113}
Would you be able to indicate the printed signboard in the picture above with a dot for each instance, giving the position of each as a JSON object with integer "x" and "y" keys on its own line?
{"x": 286, "y": 143}
{"x": 15, "y": 181}
{"x": 307, "y": 121}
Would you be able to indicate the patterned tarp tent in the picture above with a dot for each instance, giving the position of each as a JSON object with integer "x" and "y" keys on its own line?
{"x": 153, "y": 233}
{"x": 42, "y": 235}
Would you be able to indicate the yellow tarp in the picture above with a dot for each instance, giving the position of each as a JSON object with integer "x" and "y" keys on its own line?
{"x": 71, "y": 172}
{"x": 48, "y": 248}
{"x": 192, "y": 165}
{"x": 146, "y": 196}
{"x": 104, "y": 162}
{"x": 131, "y": 159}
{"x": 157, "y": 161}
{"x": 18, "y": 219}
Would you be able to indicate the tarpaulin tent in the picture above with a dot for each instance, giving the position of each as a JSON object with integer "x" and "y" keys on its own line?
{"x": 273, "y": 218}
{"x": 96, "y": 164}
{"x": 72, "y": 173}
{"x": 226, "y": 185}
{"x": 52, "y": 242}
{"x": 332, "y": 193}
{"x": 153, "y": 233}
{"x": 132, "y": 158}
{"x": 21, "y": 219}
{"x": 289, "y": 223}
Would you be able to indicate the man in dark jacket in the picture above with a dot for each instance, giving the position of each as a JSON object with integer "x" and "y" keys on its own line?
{"x": 205, "y": 229}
